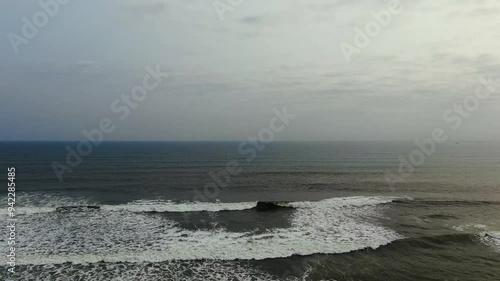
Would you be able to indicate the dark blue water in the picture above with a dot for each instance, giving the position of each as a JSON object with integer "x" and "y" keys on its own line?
{"x": 440, "y": 222}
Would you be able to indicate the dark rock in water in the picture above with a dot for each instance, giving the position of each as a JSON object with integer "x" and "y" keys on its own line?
{"x": 76, "y": 208}
{"x": 263, "y": 206}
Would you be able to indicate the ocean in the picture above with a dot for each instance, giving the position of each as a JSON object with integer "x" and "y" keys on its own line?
{"x": 285, "y": 211}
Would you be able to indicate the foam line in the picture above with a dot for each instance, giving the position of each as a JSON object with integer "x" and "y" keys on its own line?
{"x": 168, "y": 206}
{"x": 331, "y": 226}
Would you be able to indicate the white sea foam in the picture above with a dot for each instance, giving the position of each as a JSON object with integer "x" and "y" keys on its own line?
{"x": 491, "y": 239}
{"x": 149, "y": 206}
{"x": 36, "y": 199}
{"x": 355, "y": 201}
{"x": 206, "y": 270}
{"x": 470, "y": 227}
{"x": 166, "y": 206}
{"x": 336, "y": 225}
{"x": 169, "y": 206}
{"x": 38, "y": 203}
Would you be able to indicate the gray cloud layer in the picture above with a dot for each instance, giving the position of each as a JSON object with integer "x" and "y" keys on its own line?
{"x": 227, "y": 76}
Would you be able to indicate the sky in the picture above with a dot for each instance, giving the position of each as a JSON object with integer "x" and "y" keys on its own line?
{"x": 231, "y": 62}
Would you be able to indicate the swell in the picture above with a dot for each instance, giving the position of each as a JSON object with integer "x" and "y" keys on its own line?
{"x": 444, "y": 241}
{"x": 438, "y": 241}
{"x": 446, "y": 202}
{"x": 491, "y": 239}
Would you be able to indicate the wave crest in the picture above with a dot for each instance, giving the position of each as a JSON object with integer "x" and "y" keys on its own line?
{"x": 336, "y": 225}
{"x": 161, "y": 206}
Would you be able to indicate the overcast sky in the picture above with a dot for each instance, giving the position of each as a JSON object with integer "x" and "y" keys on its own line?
{"x": 226, "y": 76}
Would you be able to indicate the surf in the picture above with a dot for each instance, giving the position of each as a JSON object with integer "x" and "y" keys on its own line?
{"x": 121, "y": 233}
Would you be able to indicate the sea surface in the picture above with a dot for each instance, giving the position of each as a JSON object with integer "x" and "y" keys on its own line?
{"x": 172, "y": 211}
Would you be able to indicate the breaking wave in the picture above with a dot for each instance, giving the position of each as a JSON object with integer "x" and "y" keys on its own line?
{"x": 160, "y": 206}
{"x": 128, "y": 233}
